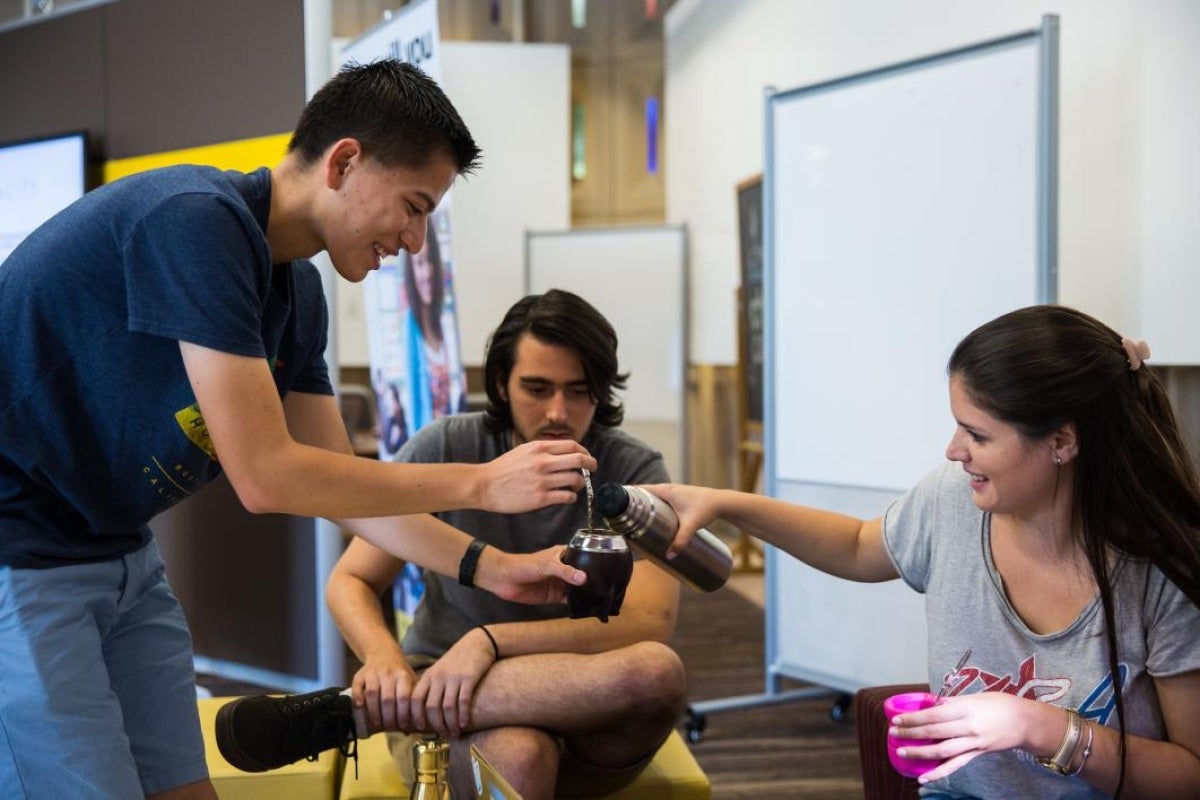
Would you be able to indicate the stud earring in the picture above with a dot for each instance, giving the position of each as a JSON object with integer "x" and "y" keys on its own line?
{"x": 1057, "y": 460}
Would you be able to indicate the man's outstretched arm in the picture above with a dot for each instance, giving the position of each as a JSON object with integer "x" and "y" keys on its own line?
{"x": 282, "y": 457}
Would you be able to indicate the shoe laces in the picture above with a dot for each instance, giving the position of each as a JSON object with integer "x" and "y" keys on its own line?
{"x": 332, "y": 725}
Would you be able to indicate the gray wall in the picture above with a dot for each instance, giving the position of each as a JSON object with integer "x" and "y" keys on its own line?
{"x": 144, "y": 76}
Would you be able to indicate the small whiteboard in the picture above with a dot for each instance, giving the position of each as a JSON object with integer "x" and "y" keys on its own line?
{"x": 904, "y": 207}
{"x": 636, "y": 278}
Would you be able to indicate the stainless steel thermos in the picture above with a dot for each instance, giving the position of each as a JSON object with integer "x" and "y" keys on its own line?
{"x": 650, "y": 524}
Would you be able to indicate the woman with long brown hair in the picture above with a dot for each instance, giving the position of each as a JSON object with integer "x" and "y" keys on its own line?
{"x": 1061, "y": 547}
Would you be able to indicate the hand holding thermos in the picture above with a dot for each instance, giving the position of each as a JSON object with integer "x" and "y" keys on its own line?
{"x": 649, "y": 524}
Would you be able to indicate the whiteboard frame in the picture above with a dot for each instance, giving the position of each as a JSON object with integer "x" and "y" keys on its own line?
{"x": 671, "y": 290}
{"x": 778, "y": 632}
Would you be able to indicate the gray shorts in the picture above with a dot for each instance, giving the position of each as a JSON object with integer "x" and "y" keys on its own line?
{"x": 97, "y": 684}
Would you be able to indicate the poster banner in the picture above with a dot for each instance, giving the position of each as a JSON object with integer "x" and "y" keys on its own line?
{"x": 412, "y": 322}
{"x": 412, "y": 325}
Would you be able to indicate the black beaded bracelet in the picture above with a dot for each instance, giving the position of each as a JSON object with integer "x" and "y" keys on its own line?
{"x": 470, "y": 560}
{"x": 492, "y": 639}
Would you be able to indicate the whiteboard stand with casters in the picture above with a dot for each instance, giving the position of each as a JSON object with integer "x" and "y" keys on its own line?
{"x": 902, "y": 208}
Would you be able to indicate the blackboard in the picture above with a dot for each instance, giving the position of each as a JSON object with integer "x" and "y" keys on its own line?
{"x": 750, "y": 300}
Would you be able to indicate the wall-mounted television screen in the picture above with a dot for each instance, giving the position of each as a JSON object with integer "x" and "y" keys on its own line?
{"x": 38, "y": 178}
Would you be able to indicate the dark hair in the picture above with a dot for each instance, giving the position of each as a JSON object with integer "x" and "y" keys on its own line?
{"x": 428, "y": 315}
{"x": 396, "y": 112}
{"x": 1135, "y": 488}
{"x": 566, "y": 320}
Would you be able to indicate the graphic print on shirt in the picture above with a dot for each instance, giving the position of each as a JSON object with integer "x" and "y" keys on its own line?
{"x": 191, "y": 422}
{"x": 172, "y": 479}
{"x": 1099, "y": 704}
{"x": 174, "y": 483}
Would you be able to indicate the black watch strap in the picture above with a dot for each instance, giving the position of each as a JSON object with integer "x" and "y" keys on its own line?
{"x": 470, "y": 560}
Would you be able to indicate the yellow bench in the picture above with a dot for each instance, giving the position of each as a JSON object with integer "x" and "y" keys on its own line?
{"x": 672, "y": 775}
{"x": 304, "y": 780}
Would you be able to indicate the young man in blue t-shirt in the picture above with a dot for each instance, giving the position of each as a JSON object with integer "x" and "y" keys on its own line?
{"x": 164, "y": 329}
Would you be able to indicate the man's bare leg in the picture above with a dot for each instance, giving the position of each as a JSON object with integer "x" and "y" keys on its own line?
{"x": 612, "y": 710}
{"x": 526, "y": 757}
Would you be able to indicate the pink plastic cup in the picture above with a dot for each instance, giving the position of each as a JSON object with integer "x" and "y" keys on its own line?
{"x": 900, "y": 704}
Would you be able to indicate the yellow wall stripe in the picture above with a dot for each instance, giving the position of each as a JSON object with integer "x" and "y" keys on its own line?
{"x": 244, "y": 155}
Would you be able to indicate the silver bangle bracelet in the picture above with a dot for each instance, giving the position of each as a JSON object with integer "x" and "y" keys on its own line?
{"x": 1087, "y": 749}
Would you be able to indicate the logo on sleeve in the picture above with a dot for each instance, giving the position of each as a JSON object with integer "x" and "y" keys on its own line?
{"x": 191, "y": 422}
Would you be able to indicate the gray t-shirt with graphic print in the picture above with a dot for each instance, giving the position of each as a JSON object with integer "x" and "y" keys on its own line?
{"x": 940, "y": 543}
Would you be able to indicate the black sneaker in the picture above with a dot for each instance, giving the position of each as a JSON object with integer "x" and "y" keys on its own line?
{"x": 256, "y": 734}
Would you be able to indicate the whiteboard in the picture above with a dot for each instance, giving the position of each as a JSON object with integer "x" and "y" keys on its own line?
{"x": 636, "y": 278}
{"x": 904, "y": 207}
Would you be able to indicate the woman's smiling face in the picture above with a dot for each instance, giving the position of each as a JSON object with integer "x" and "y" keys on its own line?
{"x": 1009, "y": 473}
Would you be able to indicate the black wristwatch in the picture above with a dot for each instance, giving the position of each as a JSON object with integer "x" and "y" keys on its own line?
{"x": 470, "y": 560}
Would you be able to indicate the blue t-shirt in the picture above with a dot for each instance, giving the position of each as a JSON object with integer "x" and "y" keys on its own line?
{"x": 99, "y": 428}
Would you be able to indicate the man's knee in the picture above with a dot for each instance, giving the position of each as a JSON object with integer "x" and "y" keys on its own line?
{"x": 655, "y": 679}
{"x": 518, "y": 751}
{"x": 521, "y": 749}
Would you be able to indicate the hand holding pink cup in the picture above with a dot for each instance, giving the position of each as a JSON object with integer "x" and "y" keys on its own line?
{"x": 900, "y": 704}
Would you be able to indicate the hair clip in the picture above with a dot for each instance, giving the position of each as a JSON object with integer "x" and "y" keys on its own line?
{"x": 1137, "y": 351}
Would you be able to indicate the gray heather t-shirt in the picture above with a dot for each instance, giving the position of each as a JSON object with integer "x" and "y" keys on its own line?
{"x": 448, "y": 610}
{"x": 940, "y": 543}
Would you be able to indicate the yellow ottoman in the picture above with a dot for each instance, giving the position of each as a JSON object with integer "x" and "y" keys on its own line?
{"x": 378, "y": 777}
{"x": 304, "y": 780}
{"x": 672, "y": 775}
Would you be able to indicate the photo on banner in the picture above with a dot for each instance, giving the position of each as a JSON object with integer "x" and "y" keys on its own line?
{"x": 412, "y": 320}
{"x": 412, "y": 338}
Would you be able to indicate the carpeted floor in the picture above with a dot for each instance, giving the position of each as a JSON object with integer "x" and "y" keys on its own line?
{"x": 769, "y": 752}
